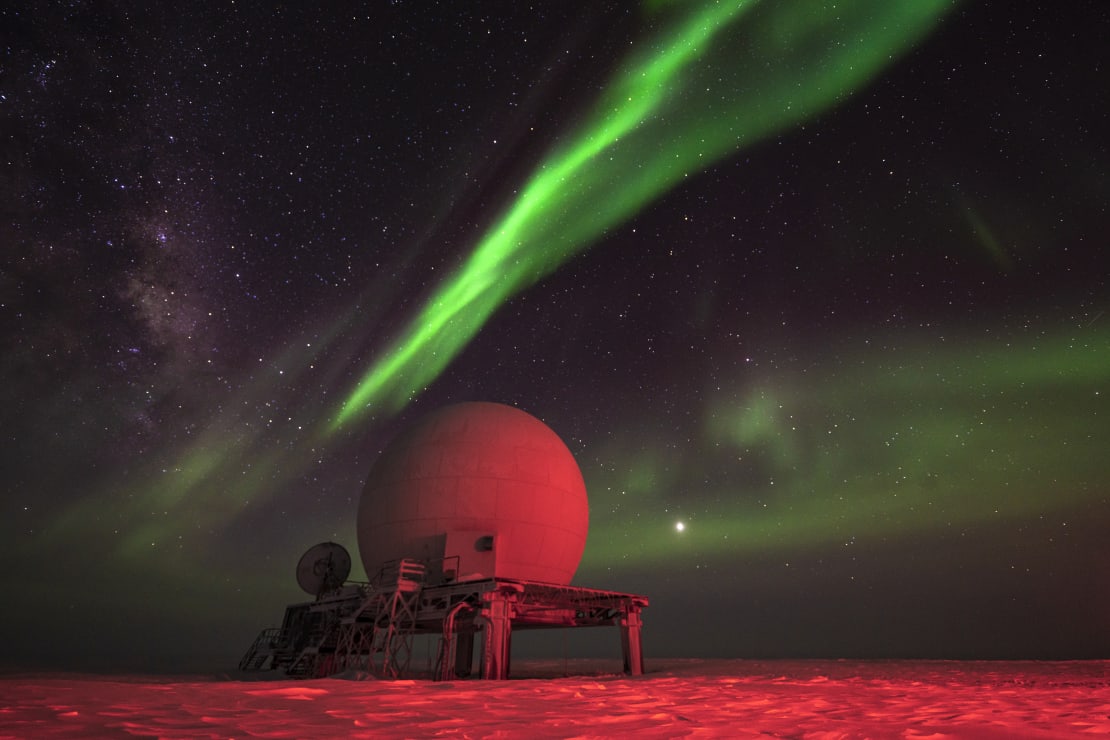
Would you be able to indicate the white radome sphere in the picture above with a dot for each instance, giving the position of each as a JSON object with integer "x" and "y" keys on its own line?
{"x": 485, "y": 483}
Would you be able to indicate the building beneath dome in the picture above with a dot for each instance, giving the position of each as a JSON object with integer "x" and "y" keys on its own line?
{"x": 472, "y": 522}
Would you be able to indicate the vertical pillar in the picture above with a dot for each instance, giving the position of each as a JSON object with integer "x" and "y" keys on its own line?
{"x": 630, "y": 641}
{"x": 496, "y": 618}
{"x": 464, "y": 653}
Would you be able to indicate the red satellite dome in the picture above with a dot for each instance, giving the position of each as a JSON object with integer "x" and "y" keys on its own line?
{"x": 483, "y": 482}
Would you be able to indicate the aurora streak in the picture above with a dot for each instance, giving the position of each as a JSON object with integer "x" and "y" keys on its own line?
{"x": 719, "y": 78}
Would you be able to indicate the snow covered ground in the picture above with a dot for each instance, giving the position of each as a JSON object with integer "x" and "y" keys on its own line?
{"x": 677, "y": 698}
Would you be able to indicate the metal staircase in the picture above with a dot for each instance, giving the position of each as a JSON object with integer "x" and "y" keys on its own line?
{"x": 260, "y": 656}
{"x": 302, "y": 647}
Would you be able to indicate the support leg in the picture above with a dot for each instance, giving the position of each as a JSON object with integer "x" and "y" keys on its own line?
{"x": 496, "y": 617}
{"x": 464, "y": 654}
{"x": 630, "y": 642}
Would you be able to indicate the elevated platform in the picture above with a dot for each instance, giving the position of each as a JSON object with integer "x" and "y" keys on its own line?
{"x": 371, "y": 626}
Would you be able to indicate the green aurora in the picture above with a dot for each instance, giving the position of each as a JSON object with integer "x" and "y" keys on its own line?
{"x": 719, "y": 77}
{"x": 927, "y": 440}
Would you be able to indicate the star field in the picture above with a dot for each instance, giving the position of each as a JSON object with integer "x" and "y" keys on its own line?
{"x": 824, "y": 323}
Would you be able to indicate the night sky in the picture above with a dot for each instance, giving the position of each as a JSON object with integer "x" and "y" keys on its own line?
{"x": 823, "y": 283}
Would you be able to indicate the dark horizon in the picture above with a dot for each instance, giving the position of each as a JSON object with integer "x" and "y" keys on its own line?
{"x": 846, "y": 326}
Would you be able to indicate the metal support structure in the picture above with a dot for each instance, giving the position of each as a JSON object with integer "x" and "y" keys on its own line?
{"x": 376, "y": 634}
{"x": 398, "y": 624}
{"x": 354, "y": 647}
{"x": 496, "y": 618}
{"x": 372, "y": 627}
{"x": 464, "y": 654}
{"x": 630, "y": 624}
{"x": 456, "y": 651}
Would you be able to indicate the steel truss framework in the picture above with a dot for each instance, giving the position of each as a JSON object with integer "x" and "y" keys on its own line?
{"x": 370, "y": 626}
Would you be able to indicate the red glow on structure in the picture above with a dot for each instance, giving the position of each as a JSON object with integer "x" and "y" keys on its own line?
{"x": 736, "y": 699}
{"x": 485, "y": 483}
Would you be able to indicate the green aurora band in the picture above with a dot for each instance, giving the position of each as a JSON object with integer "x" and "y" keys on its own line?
{"x": 720, "y": 77}
{"x": 926, "y": 441}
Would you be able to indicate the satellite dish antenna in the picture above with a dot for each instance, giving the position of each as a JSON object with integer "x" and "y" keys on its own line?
{"x": 323, "y": 568}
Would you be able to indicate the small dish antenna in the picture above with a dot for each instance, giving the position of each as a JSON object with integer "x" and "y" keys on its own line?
{"x": 323, "y": 568}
